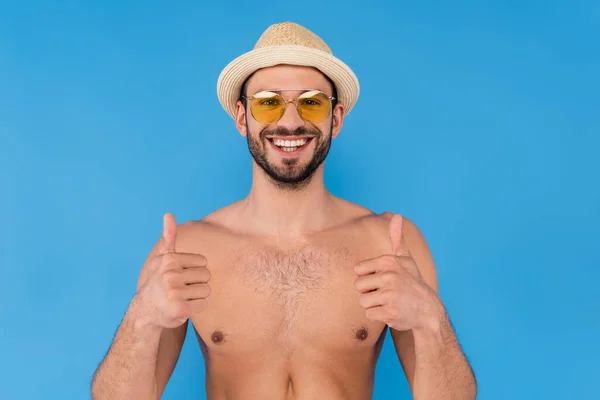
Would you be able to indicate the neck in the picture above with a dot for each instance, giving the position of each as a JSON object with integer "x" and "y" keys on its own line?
{"x": 272, "y": 210}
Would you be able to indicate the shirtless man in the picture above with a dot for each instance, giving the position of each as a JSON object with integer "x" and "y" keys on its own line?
{"x": 291, "y": 290}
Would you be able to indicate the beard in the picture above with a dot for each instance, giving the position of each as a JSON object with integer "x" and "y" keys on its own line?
{"x": 291, "y": 176}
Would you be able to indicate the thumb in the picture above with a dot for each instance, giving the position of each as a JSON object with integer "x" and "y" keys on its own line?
{"x": 399, "y": 247}
{"x": 169, "y": 234}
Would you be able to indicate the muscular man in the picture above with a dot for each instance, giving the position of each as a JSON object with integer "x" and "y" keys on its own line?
{"x": 290, "y": 290}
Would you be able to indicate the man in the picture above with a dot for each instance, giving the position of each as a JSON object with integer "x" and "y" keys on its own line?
{"x": 291, "y": 290}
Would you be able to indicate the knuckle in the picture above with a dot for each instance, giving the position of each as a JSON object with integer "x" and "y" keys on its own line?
{"x": 153, "y": 263}
{"x": 389, "y": 278}
{"x": 200, "y": 290}
{"x": 201, "y": 275}
{"x": 169, "y": 259}
{"x": 391, "y": 260}
{"x": 170, "y": 276}
{"x": 392, "y": 314}
{"x": 390, "y": 296}
{"x": 181, "y": 309}
{"x": 196, "y": 275}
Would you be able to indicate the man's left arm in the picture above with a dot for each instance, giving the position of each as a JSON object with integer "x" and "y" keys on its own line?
{"x": 430, "y": 354}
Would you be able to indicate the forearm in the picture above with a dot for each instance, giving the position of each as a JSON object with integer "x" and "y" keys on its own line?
{"x": 442, "y": 371}
{"x": 129, "y": 369}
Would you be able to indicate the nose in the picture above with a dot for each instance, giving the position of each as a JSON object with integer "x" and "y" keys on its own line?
{"x": 290, "y": 119}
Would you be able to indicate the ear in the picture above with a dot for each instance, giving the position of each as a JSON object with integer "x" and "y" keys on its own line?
{"x": 240, "y": 118}
{"x": 338, "y": 119}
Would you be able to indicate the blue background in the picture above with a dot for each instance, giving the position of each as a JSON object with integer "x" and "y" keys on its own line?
{"x": 479, "y": 122}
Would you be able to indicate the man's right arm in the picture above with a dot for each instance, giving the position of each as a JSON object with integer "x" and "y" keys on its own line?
{"x": 171, "y": 287}
{"x": 141, "y": 358}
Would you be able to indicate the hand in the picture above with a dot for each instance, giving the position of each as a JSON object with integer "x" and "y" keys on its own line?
{"x": 177, "y": 283}
{"x": 392, "y": 289}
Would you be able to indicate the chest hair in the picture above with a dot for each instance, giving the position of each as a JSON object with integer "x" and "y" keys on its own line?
{"x": 290, "y": 278}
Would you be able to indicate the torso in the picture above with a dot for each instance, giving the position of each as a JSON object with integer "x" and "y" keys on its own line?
{"x": 283, "y": 319}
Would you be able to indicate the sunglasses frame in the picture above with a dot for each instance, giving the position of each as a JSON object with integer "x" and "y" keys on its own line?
{"x": 285, "y": 103}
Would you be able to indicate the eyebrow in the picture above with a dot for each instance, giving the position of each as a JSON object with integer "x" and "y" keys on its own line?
{"x": 286, "y": 90}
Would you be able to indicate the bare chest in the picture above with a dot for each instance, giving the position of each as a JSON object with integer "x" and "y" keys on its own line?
{"x": 265, "y": 296}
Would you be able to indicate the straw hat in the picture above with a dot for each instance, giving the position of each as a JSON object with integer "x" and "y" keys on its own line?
{"x": 287, "y": 43}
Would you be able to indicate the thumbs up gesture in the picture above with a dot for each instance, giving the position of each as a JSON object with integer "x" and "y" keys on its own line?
{"x": 392, "y": 289}
{"x": 176, "y": 286}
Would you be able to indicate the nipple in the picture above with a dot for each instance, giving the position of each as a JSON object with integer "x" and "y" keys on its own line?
{"x": 217, "y": 337}
{"x": 362, "y": 334}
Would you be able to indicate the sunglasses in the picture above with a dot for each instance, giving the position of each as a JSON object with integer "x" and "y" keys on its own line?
{"x": 267, "y": 107}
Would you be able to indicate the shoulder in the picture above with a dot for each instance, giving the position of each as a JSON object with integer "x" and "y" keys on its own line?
{"x": 202, "y": 234}
{"x": 411, "y": 232}
{"x": 378, "y": 224}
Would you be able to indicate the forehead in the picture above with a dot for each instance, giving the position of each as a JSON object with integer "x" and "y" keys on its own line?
{"x": 288, "y": 77}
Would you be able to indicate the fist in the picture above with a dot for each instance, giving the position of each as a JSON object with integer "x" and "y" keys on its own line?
{"x": 391, "y": 288}
{"x": 176, "y": 286}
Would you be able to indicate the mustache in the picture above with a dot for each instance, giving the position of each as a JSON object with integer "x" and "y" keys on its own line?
{"x": 282, "y": 131}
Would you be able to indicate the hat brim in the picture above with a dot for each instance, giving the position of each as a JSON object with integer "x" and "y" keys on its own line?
{"x": 237, "y": 71}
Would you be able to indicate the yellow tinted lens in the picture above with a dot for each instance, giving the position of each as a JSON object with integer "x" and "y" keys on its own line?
{"x": 266, "y": 107}
{"x": 314, "y": 106}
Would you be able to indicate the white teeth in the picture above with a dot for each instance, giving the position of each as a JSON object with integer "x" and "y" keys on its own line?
{"x": 288, "y": 148}
{"x": 289, "y": 143}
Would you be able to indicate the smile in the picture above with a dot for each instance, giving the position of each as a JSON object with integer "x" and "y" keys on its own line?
{"x": 290, "y": 146}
